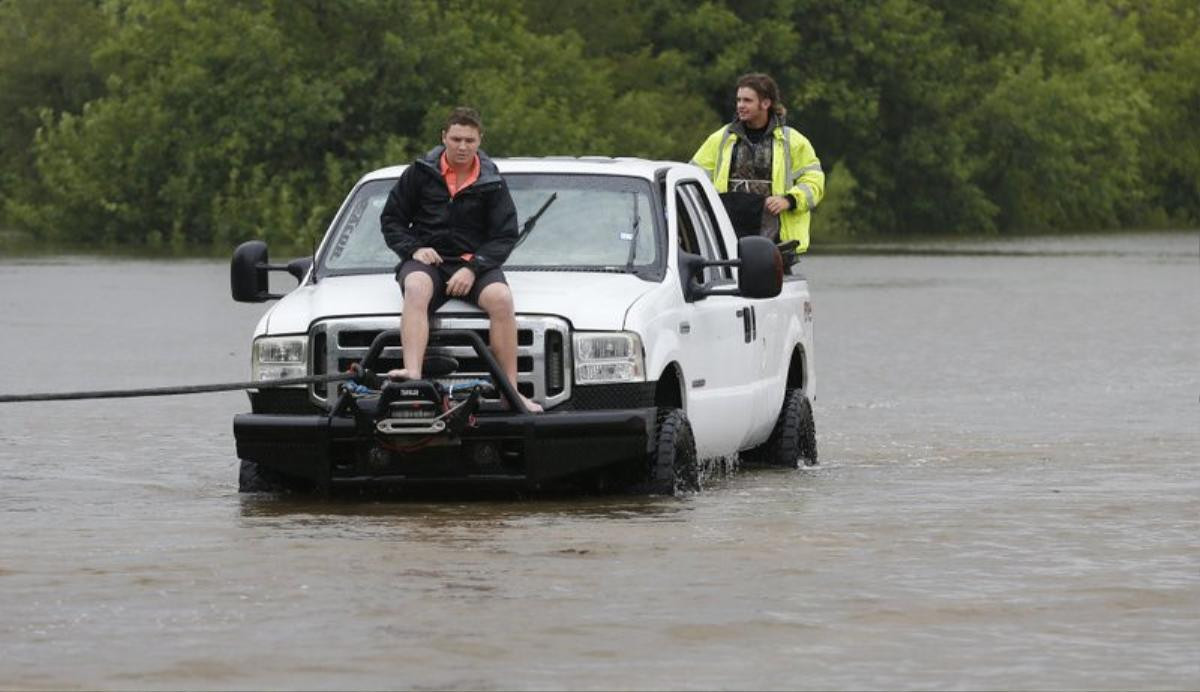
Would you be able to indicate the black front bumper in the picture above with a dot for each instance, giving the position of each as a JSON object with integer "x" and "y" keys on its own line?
{"x": 525, "y": 449}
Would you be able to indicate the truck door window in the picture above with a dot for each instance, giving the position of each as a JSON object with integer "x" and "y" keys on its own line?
{"x": 687, "y": 230}
{"x": 705, "y": 230}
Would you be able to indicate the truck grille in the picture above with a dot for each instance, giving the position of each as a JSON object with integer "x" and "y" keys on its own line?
{"x": 543, "y": 356}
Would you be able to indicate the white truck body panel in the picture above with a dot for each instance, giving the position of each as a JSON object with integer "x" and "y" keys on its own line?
{"x": 588, "y": 301}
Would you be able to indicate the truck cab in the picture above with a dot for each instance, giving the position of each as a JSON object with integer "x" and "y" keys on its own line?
{"x": 659, "y": 344}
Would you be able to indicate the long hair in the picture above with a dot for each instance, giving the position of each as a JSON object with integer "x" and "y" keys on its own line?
{"x": 766, "y": 88}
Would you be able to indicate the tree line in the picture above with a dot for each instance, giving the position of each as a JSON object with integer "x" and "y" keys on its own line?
{"x": 192, "y": 125}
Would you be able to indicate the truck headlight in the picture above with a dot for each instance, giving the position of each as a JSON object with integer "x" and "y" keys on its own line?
{"x": 602, "y": 357}
{"x": 278, "y": 357}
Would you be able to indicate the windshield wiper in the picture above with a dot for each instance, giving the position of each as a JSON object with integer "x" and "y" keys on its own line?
{"x": 532, "y": 221}
{"x": 637, "y": 226}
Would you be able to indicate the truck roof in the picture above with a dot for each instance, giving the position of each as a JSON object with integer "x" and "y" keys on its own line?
{"x": 594, "y": 165}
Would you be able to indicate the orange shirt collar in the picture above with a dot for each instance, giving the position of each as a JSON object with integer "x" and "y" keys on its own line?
{"x": 451, "y": 177}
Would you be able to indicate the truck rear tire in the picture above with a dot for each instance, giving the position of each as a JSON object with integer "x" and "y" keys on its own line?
{"x": 256, "y": 478}
{"x": 793, "y": 442}
{"x": 673, "y": 465}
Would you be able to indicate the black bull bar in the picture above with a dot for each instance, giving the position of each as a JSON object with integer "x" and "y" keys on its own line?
{"x": 512, "y": 446}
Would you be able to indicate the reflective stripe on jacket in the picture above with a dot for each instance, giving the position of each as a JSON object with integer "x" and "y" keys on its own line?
{"x": 795, "y": 171}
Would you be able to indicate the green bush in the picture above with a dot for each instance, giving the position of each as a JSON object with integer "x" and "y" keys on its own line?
{"x": 193, "y": 125}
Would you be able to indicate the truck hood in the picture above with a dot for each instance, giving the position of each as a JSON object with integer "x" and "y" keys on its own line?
{"x": 587, "y": 300}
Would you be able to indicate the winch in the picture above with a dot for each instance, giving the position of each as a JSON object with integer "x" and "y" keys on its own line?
{"x": 425, "y": 407}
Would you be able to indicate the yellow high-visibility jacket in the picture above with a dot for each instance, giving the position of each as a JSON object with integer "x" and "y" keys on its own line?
{"x": 795, "y": 171}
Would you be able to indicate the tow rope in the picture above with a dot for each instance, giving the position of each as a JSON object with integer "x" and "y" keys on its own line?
{"x": 186, "y": 389}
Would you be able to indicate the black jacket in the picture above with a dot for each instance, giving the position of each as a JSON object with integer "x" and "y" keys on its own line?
{"x": 481, "y": 219}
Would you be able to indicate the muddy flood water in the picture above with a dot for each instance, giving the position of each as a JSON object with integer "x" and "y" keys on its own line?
{"x": 1009, "y": 497}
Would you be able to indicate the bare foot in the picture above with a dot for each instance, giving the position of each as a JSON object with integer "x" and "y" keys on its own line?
{"x": 398, "y": 374}
{"x": 530, "y": 405}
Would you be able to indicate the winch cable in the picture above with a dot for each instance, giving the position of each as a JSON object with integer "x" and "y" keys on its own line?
{"x": 186, "y": 389}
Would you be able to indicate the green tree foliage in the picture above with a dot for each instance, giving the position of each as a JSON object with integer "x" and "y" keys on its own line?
{"x": 204, "y": 133}
{"x": 1058, "y": 130}
{"x": 45, "y": 64}
{"x": 193, "y": 124}
{"x": 904, "y": 84}
{"x": 1167, "y": 57}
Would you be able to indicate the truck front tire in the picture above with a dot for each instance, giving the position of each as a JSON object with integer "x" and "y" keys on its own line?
{"x": 256, "y": 478}
{"x": 673, "y": 464}
{"x": 793, "y": 442}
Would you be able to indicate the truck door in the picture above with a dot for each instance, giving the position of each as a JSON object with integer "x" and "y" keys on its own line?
{"x": 719, "y": 365}
{"x": 763, "y": 323}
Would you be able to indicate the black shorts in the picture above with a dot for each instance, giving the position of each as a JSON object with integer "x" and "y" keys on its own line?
{"x": 441, "y": 273}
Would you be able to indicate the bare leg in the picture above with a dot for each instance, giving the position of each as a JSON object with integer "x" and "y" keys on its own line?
{"x": 496, "y": 299}
{"x": 414, "y": 325}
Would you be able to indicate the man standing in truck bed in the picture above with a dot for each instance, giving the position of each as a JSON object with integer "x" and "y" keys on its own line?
{"x": 452, "y": 222}
{"x": 767, "y": 174}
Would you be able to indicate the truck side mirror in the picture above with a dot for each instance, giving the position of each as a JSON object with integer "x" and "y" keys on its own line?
{"x": 761, "y": 271}
{"x": 249, "y": 268}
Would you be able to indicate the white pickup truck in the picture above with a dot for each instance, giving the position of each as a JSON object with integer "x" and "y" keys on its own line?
{"x": 659, "y": 344}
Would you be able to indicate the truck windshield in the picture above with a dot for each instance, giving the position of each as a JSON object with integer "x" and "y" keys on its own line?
{"x": 581, "y": 223}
